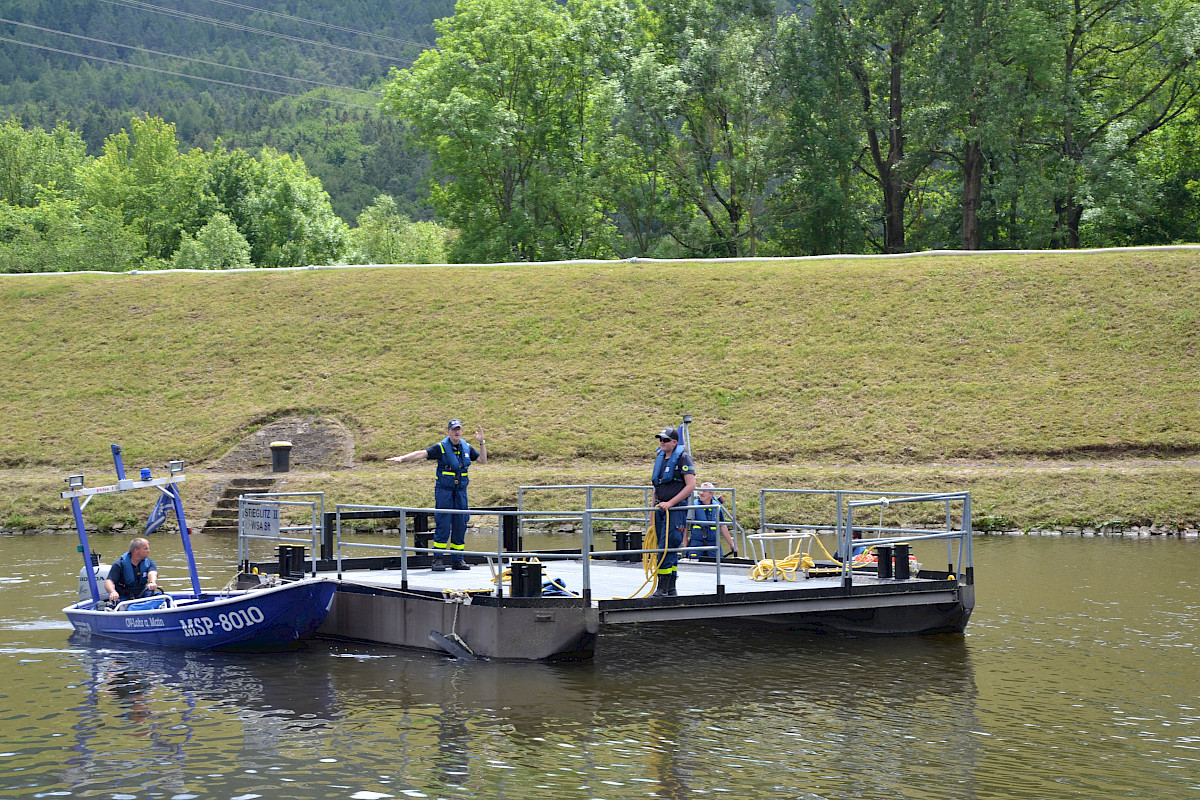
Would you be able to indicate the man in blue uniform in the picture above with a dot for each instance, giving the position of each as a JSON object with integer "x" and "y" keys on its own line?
{"x": 133, "y": 575}
{"x": 674, "y": 480}
{"x": 454, "y": 457}
{"x": 705, "y": 521}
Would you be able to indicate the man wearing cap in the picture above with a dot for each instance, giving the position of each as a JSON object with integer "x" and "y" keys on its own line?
{"x": 674, "y": 479}
{"x": 454, "y": 457}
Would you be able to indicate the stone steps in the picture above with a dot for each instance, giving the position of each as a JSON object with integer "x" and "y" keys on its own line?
{"x": 222, "y": 519}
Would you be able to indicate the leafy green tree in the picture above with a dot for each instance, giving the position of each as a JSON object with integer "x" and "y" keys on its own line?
{"x": 885, "y": 52}
{"x": 142, "y": 176}
{"x": 503, "y": 105}
{"x": 1125, "y": 68}
{"x": 714, "y": 109}
{"x": 823, "y": 201}
{"x": 35, "y": 161}
{"x": 289, "y": 221}
{"x": 385, "y": 236}
{"x": 218, "y": 245}
{"x": 59, "y": 235}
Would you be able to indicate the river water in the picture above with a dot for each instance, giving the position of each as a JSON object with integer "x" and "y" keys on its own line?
{"x": 1079, "y": 675}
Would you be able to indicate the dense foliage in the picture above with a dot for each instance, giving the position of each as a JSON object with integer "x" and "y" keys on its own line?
{"x": 297, "y": 107}
{"x": 723, "y": 127}
{"x": 542, "y": 130}
{"x": 143, "y": 204}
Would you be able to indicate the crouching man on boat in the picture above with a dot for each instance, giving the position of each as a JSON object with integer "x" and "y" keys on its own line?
{"x": 674, "y": 479}
{"x": 454, "y": 457}
{"x": 133, "y": 575}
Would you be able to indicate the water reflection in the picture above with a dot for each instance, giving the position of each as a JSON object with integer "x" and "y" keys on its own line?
{"x": 660, "y": 710}
{"x": 144, "y": 712}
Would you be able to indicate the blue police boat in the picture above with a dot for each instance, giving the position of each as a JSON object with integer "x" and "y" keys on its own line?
{"x": 265, "y": 616}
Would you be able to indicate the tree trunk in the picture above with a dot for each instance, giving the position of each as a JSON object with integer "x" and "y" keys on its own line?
{"x": 972, "y": 192}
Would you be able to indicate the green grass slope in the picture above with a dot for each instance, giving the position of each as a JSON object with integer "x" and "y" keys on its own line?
{"x": 906, "y": 362}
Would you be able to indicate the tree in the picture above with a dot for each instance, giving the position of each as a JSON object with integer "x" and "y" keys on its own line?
{"x": 385, "y": 236}
{"x": 141, "y": 176}
{"x": 1125, "y": 69}
{"x": 58, "y": 235}
{"x": 504, "y": 104}
{"x": 288, "y": 219}
{"x": 34, "y": 161}
{"x": 218, "y": 245}
{"x": 710, "y": 104}
{"x": 885, "y": 51}
{"x": 822, "y": 203}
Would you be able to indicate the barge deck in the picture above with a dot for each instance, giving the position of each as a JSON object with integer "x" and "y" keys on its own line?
{"x": 492, "y": 610}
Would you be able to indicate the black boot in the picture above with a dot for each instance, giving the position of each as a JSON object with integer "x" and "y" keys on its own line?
{"x": 666, "y": 586}
{"x": 438, "y": 564}
{"x": 671, "y": 584}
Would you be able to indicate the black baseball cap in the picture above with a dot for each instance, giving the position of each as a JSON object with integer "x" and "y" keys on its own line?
{"x": 454, "y": 423}
{"x": 667, "y": 433}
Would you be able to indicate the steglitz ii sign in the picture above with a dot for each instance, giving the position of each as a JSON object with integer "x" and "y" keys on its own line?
{"x": 260, "y": 519}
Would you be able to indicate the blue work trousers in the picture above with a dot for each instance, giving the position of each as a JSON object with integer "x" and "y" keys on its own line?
{"x": 450, "y": 531}
{"x": 674, "y": 521}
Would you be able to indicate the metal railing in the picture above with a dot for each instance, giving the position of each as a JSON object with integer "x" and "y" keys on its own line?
{"x": 250, "y": 523}
{"x": 587, "y": 551}
{"x": 643, "y": 518}
{"x": 842, "y": 524}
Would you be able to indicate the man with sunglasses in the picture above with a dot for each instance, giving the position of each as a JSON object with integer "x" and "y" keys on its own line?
{"x": 674, "y": 480}
{"x": 454, "y": 457}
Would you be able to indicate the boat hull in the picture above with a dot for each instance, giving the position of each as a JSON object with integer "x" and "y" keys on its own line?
{"x": 270, "y": 618}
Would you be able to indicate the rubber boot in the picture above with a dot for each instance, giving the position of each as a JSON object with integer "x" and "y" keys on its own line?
{"x": 666, "y": 586}
{"x": 438, "y": 564}
{"x": 674, "y": 576}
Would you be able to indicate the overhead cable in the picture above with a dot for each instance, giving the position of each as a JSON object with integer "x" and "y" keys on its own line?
{"x": 185, "y": 75}
{"x": 321, "y": 24}
{"x": 186, "y": 58}
{"x": 135, "y": 4}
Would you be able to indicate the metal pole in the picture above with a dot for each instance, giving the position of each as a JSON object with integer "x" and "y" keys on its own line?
{"x": 404, "y": 550}
{"x": 587, "y": 557}
{"x": 86, "y": 547}
{"x": 500, "y": 552}
{"x": 187, "y": 539}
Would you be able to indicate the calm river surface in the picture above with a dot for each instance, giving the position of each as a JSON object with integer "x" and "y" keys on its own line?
{"x": 1079, "y": 675}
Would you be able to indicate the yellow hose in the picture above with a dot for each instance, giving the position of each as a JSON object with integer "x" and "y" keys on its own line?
{"x": 796, "y": 560}
{"x": 650, "y": 561}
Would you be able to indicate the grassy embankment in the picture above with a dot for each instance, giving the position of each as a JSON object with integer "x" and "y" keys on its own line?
{"x": 1058, "y": 388}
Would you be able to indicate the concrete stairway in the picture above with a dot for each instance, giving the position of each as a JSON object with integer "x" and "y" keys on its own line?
{"x": 224, "y": 518}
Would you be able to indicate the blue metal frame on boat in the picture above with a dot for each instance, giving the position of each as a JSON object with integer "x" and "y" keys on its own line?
{"x": 265, "y": 617}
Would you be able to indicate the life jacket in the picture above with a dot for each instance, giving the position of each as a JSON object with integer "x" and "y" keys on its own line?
{"x": 666, "y": 472}
{"x": 703, "y": 530}
{"x": 133, "y": 578}
{"x": 453, "y": 464}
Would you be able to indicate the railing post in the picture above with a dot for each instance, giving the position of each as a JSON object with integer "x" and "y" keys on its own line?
{"x": 587, "y": 557}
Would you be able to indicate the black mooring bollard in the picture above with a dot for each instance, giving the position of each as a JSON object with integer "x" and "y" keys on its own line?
{"x": 903, "y": 572}
{"x": 883, "y": 565}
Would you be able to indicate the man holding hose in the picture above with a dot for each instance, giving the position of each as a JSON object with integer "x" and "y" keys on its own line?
{"x": 674, "y": 480}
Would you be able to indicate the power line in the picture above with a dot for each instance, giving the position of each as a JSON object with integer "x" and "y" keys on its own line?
{"x": 135, "y": 4}
{"x": 184, "y": 75}
{"x": 321, "y": 24}
{"x": 186, "y": 58}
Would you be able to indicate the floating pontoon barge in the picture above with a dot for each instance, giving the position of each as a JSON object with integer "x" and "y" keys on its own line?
{"x": 545, "y": 604}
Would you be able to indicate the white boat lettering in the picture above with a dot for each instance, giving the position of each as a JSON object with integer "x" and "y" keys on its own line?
{"x": 145, "y": 622}
{"x": 240, "y": 618}
{"x": 199, "y": 626}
